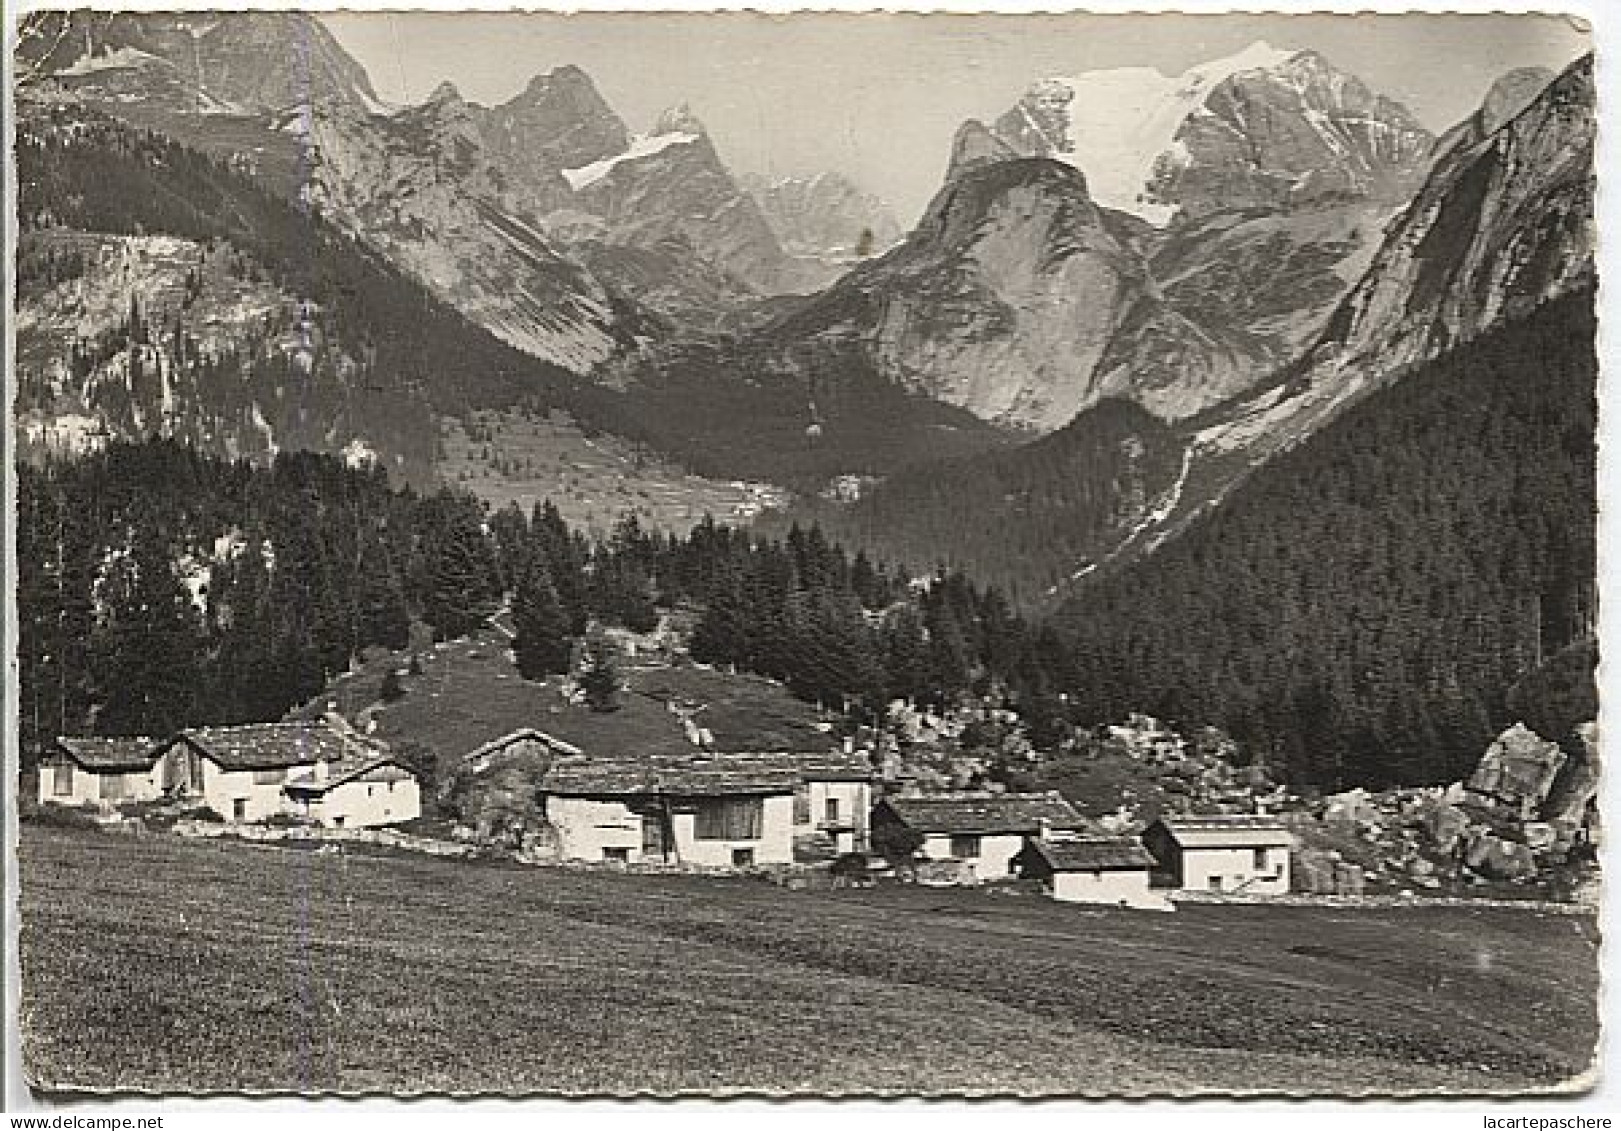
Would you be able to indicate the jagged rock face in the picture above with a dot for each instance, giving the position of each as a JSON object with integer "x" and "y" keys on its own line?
{"x": 137, "y": 336}
{"x": 1502, "y": 225}
{"x": 559, "y": 121}
{"x": 1240, "y": 294}
{"x": 1263, "y": 128}
{"x": 212, "y": 63}
{"x": 1507, "y": 98}
{"x": 671, "y": 184}
{"x": 419, "y": 188}
{"x": 1499, "y": 227}
{"x": 1001, "y": 302}
{"x": 825, "y": 217}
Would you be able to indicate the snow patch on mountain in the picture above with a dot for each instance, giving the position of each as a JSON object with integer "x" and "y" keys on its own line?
{"x": 644, "y": 146}
{"x": 1123, "y": 122}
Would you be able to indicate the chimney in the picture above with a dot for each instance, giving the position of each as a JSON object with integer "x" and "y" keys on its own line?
{"x": 1044, "y": 828}
{"x": 849, "y": 744}
{"x": 320, "y": 771}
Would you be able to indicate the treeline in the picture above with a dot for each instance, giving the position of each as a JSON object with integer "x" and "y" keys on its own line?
{"x": 1022, "y": 519}
{"x": 160, "y": 587}
{"x": 1360, "y": 610}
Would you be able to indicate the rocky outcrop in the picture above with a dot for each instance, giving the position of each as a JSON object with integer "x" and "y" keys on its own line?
{"x": 1001, "y": 302}
{"x": 1502, "y": 226}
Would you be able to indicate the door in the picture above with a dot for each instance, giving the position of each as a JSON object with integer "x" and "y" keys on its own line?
{"x": 653, "y": 839}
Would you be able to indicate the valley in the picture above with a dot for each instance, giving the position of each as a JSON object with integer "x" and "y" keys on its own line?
{"x": 526, "y": 570}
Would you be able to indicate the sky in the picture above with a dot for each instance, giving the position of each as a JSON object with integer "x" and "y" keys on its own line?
{"x": 878, "y": 96}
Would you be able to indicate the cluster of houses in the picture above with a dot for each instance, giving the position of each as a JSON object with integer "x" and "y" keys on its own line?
{"x": 322, "y": 771}
{"x": 693, "y": 807}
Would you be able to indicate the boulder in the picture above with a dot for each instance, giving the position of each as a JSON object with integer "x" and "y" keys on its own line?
{"x": 1443, "y": 825}
{"x": 1539, "y": 835}
{"x": 1348, "y": 879}
{"x": 1499, "y": 859}
{"x": 1516, "y": 772}
{"x": 1351, "y": 808}
{"x": 1418, "y": 867}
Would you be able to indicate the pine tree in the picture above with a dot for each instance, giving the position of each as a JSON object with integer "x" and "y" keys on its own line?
{"x": 543, "y": 644}
{"x": 146, "y": 646}
{"x": 599, "y": 678}
{"x": 461, "y": 587}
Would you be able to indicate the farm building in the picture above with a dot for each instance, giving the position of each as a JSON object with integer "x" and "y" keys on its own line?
{"x": 1227, "y": 853}
{"x": 365, "y": 791}
{"x": 1111, "y": 870}
{"x": 712, "y": 810}
{"x": 526, "y": 742}
{"x": 832, "y": 797}
{"x": 244, "y": 773}
{"x": 100, "y": 771}
{"x": 983, "y": 831}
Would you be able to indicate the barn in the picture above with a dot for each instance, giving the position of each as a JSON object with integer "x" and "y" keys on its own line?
{"x": 706, "y": 809}
{"x": 981, "y": 831}
{"x": 1108, "y": 870}
{"x": 100, "y": 771}
{"x": 1225, "y": 853}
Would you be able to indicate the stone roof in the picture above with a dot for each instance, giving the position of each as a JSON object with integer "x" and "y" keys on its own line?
{"x": 1093, "y": 854}
{"x": 984, "y": 813}
{"x": 345, "y": 771}
{"x": 110, "y": 755}
{"x": 1238, "y": 830}
{"x": 699, "y": 774}
{"x": 273, "y": 746}
{"x": 522, "y": 734}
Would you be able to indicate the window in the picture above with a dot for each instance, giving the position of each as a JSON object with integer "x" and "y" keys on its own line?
{"x": 730, "y": 818}
{"x": 1259, "y": 861}
{"x": 965, "y": 847}
{"x": 802, "y": 806}
{"x": 269, "y": 777}
{"x": 742, "y": 857}
{"x": 370, "y": 790}
{"x": 617, "y": 855}
{"x": 62, "y": 779}
{"x": 239, "y": 809}
{"x": 1215, "y": 883}
{"x": 832, "y": 810}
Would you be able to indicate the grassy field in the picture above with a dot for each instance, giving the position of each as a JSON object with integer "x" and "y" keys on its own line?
{"x": 593, "y": 481}
{"x": 153, "y": 963}
{"x": 469, "y": 691}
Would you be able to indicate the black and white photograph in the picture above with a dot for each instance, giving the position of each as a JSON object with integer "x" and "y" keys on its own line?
{"x": 803, "y": 554}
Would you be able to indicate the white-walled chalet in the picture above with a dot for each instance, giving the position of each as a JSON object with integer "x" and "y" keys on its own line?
{"x": 1229, "y": 853}
{"x": 982, "y": 831}
{"x": 1108, "y": 870}
{"x": 100, "y": 771}
{"x": 326, "y": 773}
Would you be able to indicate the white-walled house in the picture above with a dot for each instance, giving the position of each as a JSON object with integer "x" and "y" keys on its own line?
{"x": 1107, "y": 870}
{"x": 100, "y": 771}
{"x": 710, "y": 810}
{"x": 1227, "y": 853}
{"x": 251, "y": 772}
{"x": 984, "y": 831}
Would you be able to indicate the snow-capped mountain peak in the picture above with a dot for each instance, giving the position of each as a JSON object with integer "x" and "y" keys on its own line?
{"x": 1136, "y": 132}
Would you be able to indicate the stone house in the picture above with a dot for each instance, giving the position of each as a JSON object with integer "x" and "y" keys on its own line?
{"x": 100, "y": 771}
{"x": 1107, "y": 870}
{"x": 985, "y": 831}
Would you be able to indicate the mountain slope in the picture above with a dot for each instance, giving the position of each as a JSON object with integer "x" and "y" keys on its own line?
{"x": 1361, "y": 606}
{"x": 1262, "y": 128}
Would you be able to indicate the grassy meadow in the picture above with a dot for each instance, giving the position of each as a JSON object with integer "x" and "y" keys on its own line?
{"x": 154, "y": 963}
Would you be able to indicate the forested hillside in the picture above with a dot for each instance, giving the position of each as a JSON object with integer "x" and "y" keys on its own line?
{"x": 1362, "y": 607}
{"x": 160, "y": 587}
{"x": 1023, "y": 519}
